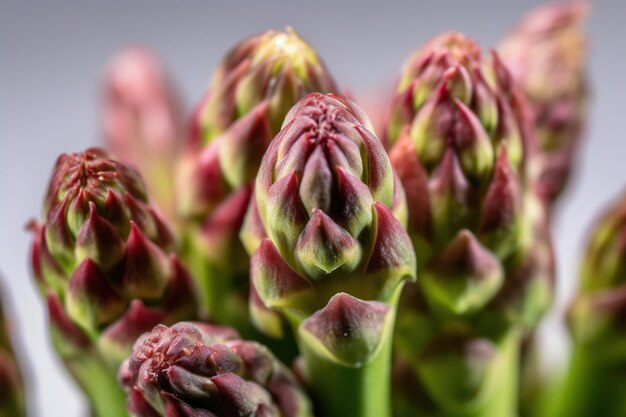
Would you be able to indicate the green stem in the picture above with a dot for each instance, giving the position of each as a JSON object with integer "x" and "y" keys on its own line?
{"x": 221, "y": 302}
{"x": 498, "y": 396}
{"x": 593, "y": 386}
{"x": 106, "y": 397}
{"x": 360, "y": 388}
{"x": 221, "y": 290}
{"x": 503, "y": 399}
{"x": 340, "y": 390}
{"x": 212, "y": 288}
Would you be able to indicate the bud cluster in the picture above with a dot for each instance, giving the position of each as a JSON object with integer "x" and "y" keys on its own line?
{"x": 195, "y": 369}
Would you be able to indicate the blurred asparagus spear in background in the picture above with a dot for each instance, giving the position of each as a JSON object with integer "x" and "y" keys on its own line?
{"x": 547, "y": 55}
{"x": 195, "y": 369}
{"x": 12, "y": 393}
{"x": 463, "y": 147}
{"x": 102, "y": 259}
{"x": 596, "y": 377}
{"x": 251, "y": 92}
{"x": 143, "y": 121}
{"x": 335, "y": 257}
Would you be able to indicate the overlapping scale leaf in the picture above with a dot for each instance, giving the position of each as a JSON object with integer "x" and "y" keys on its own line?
{"x": 103, "y": 259}
{"x": 463, "y": 147}
{"x": 326, "y": 198}
{"x": 462, "y": 143}
{"x": 254, "y": 87}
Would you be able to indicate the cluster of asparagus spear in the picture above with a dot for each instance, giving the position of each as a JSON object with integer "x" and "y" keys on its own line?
{"x": 283, "y": 256}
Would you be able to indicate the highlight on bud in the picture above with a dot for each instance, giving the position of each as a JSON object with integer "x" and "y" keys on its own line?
{"x": 273, "y": 69}
{"x": 257, "y": 83}
{"x": 326, "y": 197}
{"x": 200, "y": 369}
{"x": 547, "y": 55}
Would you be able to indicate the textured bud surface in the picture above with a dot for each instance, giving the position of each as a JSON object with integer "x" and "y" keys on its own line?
{"x": 103, "y": 246}
{"x": 275, "y": 68}
{"x": 463, "y": 149}
{"x": 326, "y": 197}
{"x": 194, "y": 369}
{"x": 103, "y": 260}
{"x": 462, "y": 143}
{"x": 256, "y": 84}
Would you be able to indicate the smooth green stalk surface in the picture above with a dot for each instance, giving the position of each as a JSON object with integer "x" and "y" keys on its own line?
{"x": 105, "y": 395}
{"x": 342, "y": 390}
{"x": 503, "y": 401}
{"x": 593, "y": 386}
{"x": 498, "y": 396}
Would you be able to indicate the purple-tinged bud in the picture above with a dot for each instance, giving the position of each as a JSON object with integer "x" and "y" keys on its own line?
{"x": 333, "y": 255}
{"x": 325, "y": 194}
{"x": 203, "y": 370}
{"x": 546, "y": 54}
{"x": 464, "y": 153}
{"x": 102, "y": 258}
{"x": 142, "y": 120}
{"x": 462, "y": 142}
{"x": 250, "y": 94}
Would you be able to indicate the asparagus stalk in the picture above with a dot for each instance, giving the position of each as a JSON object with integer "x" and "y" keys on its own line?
{"x": 254, "y": 87}
{"x": 103, "y": 262}
{"x": 335, "y": 255}
{"x": 462, "y": 143}
{"x": 597, "y": 368}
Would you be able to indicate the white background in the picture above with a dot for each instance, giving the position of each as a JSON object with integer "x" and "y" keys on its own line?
{"x": 51, "y": 58}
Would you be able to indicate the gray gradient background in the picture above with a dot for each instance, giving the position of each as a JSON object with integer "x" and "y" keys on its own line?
{"x": 51, "y": 57}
